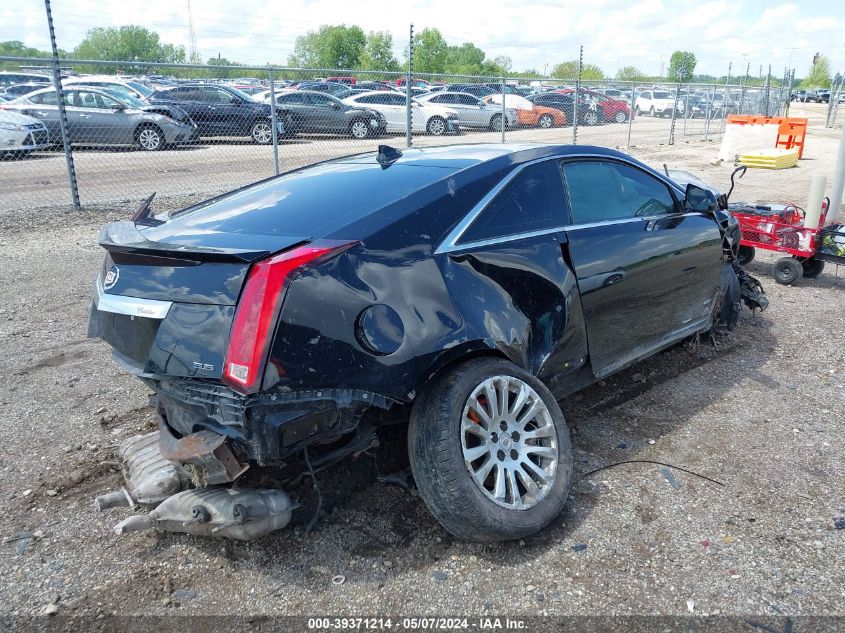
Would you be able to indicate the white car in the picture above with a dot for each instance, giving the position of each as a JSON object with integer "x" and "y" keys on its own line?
{"x": 107, "y": 82}
{"x": 21, "y": 134}
{"x": 472, "y": 111}
{"x": 429, "y": 118}
{"x": 655, "y": 102}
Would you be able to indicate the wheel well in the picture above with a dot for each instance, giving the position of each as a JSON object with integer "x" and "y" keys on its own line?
{"x": 446, "y": 366}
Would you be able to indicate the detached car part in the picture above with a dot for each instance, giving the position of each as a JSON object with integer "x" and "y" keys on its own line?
{"x": 244, "y": 514}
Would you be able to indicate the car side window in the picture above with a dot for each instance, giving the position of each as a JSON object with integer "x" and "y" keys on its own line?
{"x": 532, "y": 201}
{"x": 469, "y": 100}
{"x": 213, "y": 95}
{"x": 46, "y": 98}
{"x": 320, "y": 100}
{"x": 604, "y": 190}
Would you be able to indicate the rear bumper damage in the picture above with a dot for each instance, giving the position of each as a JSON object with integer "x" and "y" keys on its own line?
{"x": 215, "y": 432}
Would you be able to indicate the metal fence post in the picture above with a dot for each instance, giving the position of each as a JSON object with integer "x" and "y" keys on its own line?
{"x": 709, "y": 114}
{"x": 727, "y": 82}
{"x": 767, "y": 97}
{"x": 408, "y": 135}
{"x": 675, "y": 106}
{"x": 60, "y": 99}
{"x": 504, "y": 118}
{"x": 789, "y": 93}
{"x": 631, "y": 113}
{"x": 577, "y": 98}
{"x": 274, "y": 122}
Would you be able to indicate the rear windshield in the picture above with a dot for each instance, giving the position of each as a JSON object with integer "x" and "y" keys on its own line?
{"x": 308, "y": 203}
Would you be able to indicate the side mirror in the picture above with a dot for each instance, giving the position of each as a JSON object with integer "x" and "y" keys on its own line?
{"x": 118, "y": 107}
{"x": 698, "y": 200}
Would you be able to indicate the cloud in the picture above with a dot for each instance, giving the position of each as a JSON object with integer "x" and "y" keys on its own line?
{"x": 614, "y": 33}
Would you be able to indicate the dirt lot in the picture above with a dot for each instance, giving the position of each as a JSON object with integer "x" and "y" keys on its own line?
{"x": 762, "y": 415}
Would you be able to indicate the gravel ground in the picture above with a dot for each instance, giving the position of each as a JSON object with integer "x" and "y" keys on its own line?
{"x": 761, "y": 415}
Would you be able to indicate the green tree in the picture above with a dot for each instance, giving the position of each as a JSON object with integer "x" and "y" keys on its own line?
{"x": 504, "y": 62}
{"x": 126, "y": 43}
{"x": 569, "y": 70}
{"x": 378, "y": 52}
{"x": 819, "y": 74}
{"x": 337, "y": 46}
{"x": 16, "y": 48}
{"x": 430, "y": 52}
{"x": 682, "y": 66}
{"x": 630, "y": 73}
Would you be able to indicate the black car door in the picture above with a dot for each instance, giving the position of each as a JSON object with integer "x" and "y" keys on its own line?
{"x": 505, "y": 267}
{"x": 224, "y": 112}
{"x": 189, "y": 98}
{"x": 299, "y": 106}
{"x": 328, "y": 116}
{"x": 647, "y": 271}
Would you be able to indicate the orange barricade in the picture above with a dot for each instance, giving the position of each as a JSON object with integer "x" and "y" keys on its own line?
{"x": 791, "y": 130}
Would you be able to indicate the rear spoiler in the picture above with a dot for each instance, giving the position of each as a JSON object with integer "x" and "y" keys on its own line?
{"x": 124, "y": 237}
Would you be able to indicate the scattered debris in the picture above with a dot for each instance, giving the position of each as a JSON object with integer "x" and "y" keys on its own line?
{"x": 652, "y": 442}
{"x": 52, "y": 492}
{"x": 622, "y": 445}
{"x": 184, "y": 594}
{"x": 726, "y": 539}
{"x": 670, "y": 478}
{"x": 706, "y": 542}
{"x": 339, "y": 579}
{"x": 579, "y": 547}
{"x": 50, "y": 609}
{"x": 26, "y": 493}
{"x": 651, "y": 461}
{"x": 691, "y": 606}
{"x": 439, "y": 576}
{"x": 839, "y": 523}
{"x": 638, "y": 377}
{"x": 101, "y": 410}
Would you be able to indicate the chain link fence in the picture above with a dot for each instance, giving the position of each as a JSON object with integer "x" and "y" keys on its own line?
{"x": 190, "y": 131}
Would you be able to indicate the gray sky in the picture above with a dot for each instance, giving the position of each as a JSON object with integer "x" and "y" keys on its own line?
{"x": 614, "y": 33}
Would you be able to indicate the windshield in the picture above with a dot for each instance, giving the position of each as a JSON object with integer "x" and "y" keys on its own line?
{"x": 144, "y": 90}
{"x": 240, "y": 93}
{"x": 660, "y": 94}
{"x": 124, "y": 96}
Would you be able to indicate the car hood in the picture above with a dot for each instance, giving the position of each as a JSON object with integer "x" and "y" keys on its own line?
{"x": 10, "y": 116}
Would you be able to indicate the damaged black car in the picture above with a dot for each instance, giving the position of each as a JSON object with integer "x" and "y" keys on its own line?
{"x": 469, "y": 288}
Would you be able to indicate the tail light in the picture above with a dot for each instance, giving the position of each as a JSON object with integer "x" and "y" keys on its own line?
{"x": 259, "y": 307}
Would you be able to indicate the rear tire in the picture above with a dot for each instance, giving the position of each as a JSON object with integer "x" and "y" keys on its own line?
{"x": 787, "y": 271}
{"x": 812, "y": 267}
{"x": 620, "y": 117}
{"x": 470, "y": 461}
{"x": 545, "y": 121}
{"x": 591, "y": 117}
{"x": 496, "y": 123}
{"x": 651, "y": 111}
{"x": 149, "y": 138}
{"x": 745, "y": 255}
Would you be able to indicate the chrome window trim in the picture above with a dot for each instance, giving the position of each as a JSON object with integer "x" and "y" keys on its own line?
{"x": 450, "y": 243}
{"x": 131, "y": 306}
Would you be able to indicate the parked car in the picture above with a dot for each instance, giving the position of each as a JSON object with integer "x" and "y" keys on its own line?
{"x": 320, "y": 113}
{"x": 21, "y": 134}
{"x": 415, "y": 83}
{"x": 225, "y": 111}
{"x": 824, "y": 95}
{"x": 134, "y": 88}
{"x": 432, "y": 119}
{"x": 477, "y": 90}
{"x": 127, "y": 98}
{"x": 374, "y": 85}
{"x": 94, "y": 117}
{"x": 351, "y": 92}
{"x": 329, "y": 87}
{"x": 472, "y": 111}
{"x": 288, "y": 322}
{"x": 13, "y": 78}
{"x": 19, "y": 90}
{"x": 599, "y": 108}
{"x": 527, "y": 113}
{"x": 655, "y": 103}
{"x": 557, "y": 101}
{"x": 349, "y": 81}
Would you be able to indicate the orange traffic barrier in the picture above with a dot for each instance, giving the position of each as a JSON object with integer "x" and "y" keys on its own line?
{"x": 791, "y": 130}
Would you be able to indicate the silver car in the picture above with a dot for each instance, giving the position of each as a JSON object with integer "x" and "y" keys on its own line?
{"x": 95, "y": 117}
{"x": 472, "y": 111}
{"x": 19, "y": 135}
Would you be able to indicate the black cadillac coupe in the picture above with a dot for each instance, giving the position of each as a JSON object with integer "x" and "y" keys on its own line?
{"x": 473, "y": 285}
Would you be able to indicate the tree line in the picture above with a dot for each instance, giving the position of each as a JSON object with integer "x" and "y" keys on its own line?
{"x": 349, "y": 47}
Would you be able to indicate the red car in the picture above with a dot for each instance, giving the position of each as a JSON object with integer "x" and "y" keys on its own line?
{"x": 607, "y": 109}
{"x": 415, "y": 83}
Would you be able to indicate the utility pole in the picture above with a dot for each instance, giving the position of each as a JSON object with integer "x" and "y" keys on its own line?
{"x": 60, "y": 99}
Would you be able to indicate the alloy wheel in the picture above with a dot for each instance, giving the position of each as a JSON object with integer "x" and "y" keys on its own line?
{"x": 621, "y": 117}
{"x": 262, "y": 133}
{"x": 546, "y": 121}
{"x": 149, "y": 139}
{"x": 436, "y": 126}
{"x": 509, "y": 442}
{"x": 359, "y": 129}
